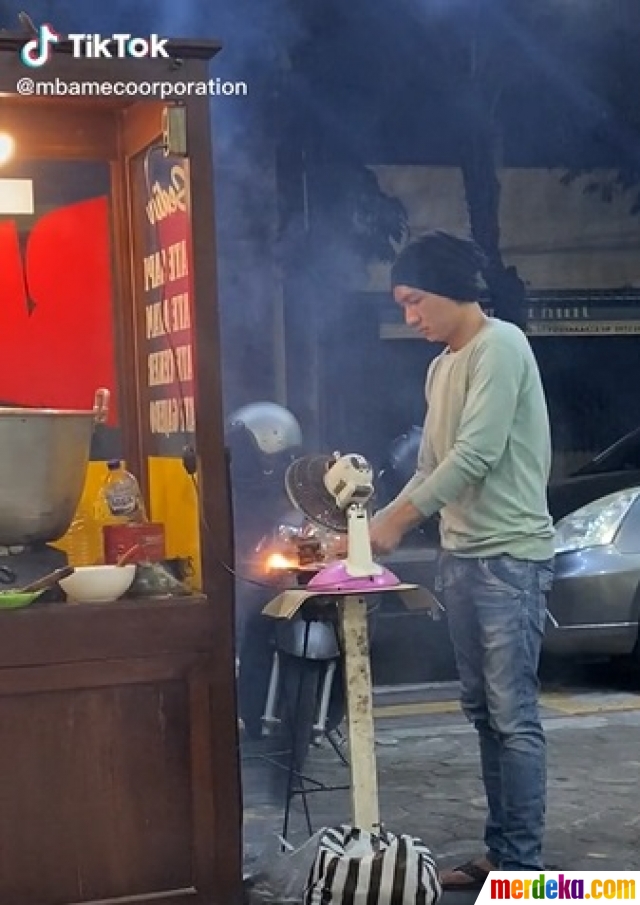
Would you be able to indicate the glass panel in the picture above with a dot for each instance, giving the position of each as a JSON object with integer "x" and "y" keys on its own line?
{"x": 163, "y": 280}
{"x": 163, "y": 300}
{"x": 56, "y": 315}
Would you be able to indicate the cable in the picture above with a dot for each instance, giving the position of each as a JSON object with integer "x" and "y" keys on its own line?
{"x": 218, "y": 559}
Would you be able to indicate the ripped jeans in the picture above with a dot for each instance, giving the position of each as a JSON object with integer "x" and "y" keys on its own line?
{"x": 496, "y": 611}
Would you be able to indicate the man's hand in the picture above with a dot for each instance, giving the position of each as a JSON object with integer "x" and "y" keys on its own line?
{"x": 389, "y": 526}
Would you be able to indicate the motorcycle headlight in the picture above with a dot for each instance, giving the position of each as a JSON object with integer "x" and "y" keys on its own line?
{"x": 596, "y": 524}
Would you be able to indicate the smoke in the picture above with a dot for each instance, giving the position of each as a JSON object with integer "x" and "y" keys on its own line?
{"x": 330, "y": 86}
{"x": 255, "y": 38}
{"x": 298, "y": 216}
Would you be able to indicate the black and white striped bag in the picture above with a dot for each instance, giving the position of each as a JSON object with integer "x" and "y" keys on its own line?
{"x": 355, "y": 867}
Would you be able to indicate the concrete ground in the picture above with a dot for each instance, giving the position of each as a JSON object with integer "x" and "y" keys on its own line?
{"x": 429, "y": 776}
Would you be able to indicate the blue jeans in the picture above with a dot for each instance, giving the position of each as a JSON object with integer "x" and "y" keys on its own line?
{"x": 496, "y": 611}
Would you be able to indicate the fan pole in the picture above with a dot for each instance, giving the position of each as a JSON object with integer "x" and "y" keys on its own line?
{"x": 364, "y": 772}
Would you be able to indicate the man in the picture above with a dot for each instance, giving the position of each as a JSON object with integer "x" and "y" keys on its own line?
{"x": 483, "y": 465}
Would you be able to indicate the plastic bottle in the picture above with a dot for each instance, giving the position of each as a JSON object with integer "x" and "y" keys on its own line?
{"x": 120, "y": 499}
{"x": 82, "y": 541}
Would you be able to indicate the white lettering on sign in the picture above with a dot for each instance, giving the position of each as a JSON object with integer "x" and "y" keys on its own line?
{"x": 177, "y": 261}
{"x": 167, "y": 200}
{"x": 161, "y": 368}
{"x": 155, "y": 320}
{"x": 154, "y": 270}
{"x": 180, "y": 312}
{"x": 169, "y": 316}
{"x": 172, "y": 416}
{"x": 165, "y": 280}
{"x": 183, "y": 361}
{"x": 166, "y": 266}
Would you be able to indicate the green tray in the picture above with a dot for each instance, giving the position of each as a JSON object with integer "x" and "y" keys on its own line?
{"x": 14, "y": 600}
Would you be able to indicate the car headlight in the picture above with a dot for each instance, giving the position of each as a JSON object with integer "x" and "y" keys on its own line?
{"x": 596, "y": 524}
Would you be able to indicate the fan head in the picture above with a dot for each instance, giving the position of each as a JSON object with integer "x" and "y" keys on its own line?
{"x": 305, "y": 484}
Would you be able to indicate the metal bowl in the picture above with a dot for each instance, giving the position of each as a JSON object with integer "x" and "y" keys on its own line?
{"x": 44, "y": 455}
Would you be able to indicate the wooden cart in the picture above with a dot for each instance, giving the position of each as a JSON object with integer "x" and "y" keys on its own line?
{"x": 119, "y": 775}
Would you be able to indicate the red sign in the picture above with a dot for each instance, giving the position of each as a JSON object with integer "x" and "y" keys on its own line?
{"x": 167, "y": 284}
{"x": 56, "y": 309}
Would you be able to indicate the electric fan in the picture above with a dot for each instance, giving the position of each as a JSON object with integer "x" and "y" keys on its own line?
{"x": 334, "y": 492}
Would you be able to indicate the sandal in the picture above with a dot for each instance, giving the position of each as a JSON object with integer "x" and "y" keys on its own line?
{"x": 474, "y": 877}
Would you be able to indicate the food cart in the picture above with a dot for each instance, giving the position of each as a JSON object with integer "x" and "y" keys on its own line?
{"x": 119, "y": 775}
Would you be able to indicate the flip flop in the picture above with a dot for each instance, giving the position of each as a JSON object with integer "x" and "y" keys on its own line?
{"x": 474, "y": 874}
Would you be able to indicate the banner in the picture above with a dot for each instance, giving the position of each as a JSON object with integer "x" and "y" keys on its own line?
{"x": 167, "y": 294}
{"x": 548, "y": 314}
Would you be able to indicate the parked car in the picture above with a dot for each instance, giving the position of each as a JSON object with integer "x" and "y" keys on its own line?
{"x": 615, "y": 468}
{"x": 594, "y": 608}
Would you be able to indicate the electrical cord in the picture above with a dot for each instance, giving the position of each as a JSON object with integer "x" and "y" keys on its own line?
{"x": 219, "y": 560}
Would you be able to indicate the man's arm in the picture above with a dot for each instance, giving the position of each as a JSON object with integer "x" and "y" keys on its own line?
{"x": 484, "y": 430}
{"x": 482, "y": 437}
{"x": 425, "y": 465}
{"x": 400, "y": 515}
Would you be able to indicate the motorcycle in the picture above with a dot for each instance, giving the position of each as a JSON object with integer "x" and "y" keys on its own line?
{"x": 290, "y": 677}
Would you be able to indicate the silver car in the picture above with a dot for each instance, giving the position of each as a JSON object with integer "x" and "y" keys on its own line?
{"x": 594, "y": 608}
{"x": 595, "y": 603}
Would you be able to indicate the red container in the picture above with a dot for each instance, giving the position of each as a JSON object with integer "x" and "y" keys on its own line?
{"x": 119, "y": 539}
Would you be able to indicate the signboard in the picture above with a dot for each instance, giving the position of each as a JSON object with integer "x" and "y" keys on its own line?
{"x": 552, "y": 314}
{"x": 167, "y": 296}
{"x": 584, "y": 328}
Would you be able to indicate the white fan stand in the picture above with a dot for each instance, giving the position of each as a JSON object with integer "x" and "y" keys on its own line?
{"x": 350, "y": 582}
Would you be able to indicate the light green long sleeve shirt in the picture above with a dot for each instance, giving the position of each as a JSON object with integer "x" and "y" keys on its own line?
{"x": 485, "y": 456}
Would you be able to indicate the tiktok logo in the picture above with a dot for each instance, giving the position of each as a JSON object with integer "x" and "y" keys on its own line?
{"x": 38, "y": 52}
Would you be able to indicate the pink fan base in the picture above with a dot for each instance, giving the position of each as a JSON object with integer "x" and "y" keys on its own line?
{"x": 335, "y": 577}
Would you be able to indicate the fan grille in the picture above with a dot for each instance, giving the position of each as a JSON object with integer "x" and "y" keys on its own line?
{"x": 304, "y": 481}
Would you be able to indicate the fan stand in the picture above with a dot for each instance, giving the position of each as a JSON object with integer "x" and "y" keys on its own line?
{"x": 349, "y": 582}
{"x": 352, "y": 610}
{"x": 365, "y": 808}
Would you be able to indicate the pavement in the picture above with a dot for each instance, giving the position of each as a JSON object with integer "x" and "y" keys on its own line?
{"x": 429, "y": 782}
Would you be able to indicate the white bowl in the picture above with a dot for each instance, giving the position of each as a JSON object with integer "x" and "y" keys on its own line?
{"x": 98, "y": 584}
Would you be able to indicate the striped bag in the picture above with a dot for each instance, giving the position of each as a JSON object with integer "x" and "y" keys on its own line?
{"x": 355, "y": 867}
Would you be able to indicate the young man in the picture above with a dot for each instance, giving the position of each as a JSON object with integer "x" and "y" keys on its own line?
{"x": 483, "y": 465}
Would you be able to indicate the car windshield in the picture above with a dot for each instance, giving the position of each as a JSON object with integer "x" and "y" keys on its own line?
{"x": 624, "y": 455}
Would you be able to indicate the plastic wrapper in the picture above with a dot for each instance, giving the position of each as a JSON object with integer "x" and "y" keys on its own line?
{"x": 161, "y": 579}
{"x": 279, "y": 875}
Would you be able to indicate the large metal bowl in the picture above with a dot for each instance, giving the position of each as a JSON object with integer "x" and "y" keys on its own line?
{"x": 44, "y": 455}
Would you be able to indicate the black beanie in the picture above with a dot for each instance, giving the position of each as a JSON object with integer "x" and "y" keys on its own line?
{"x": 443, "y": 264}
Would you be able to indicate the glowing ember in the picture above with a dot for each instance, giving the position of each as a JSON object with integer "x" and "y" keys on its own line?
{"x": 277, "y": 561}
